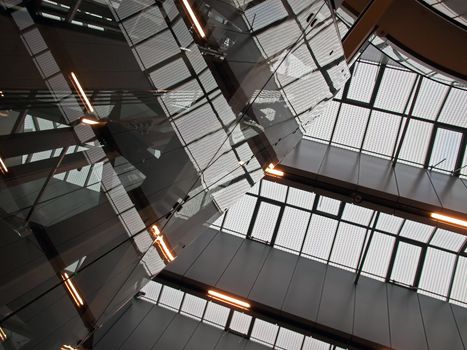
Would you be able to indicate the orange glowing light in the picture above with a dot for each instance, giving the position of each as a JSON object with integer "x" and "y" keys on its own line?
{"x": 228, "y": 299}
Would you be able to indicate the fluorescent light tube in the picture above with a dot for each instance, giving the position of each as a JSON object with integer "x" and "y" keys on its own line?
{"x": 449, "y": 219}
{"x": 194, "y": 19}
{"x": 81, "y": 93}
{"x": 228, "y": 299}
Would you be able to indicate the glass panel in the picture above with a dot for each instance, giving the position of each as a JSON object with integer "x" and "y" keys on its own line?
{"x": 328, "y": 205}
{"x": 193, "y": 306}
{"x": 320, "y": 236}
{"x": 243, "y": 209}
{"x": 350, "y": 126}
{"x": 216, "y": 314}
{"x": 348, "y": 245}
{"x": 265, "y": 222}
{"x": 289, "y": 340}
{"x": 171, "y": 298}
{"x": 459, "y": 287}
{"x": 379, "y": 255}
{"x": 417, "y": 231}
{"x": 292, "y": 229}
{"x": 363, "y": 81}
{"x": 445, "y": 149}
{"x": 405, "y": 265}
{"x": 240, "y": 322}
{"x": 436, "y": 273}
{"x": 264, "y": 332}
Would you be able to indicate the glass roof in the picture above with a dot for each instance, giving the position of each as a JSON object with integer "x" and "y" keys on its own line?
{"x": 450, "y": 8}
{"x": 430, "y": 260}
{"x": 216, "y": 315}
{"x": 394, "y": 113}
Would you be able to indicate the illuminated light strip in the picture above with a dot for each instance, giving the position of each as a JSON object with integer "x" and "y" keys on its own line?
{"x": 194, "y": 19}
{"x": 449, "y": 219}
{"x": 270, "y": 170}
{"x": 81, "y": 92}
{"x": 228, "y": 299}
{"x": 72, "y": 290}
{"x": 3, "y": 167}
{"x": 67, "y": 347}
{"x": 3, "y": 336}
{"x": 92, "y": 121}
{"x": 165, "y": 250}
{"x": 159, "y": 240}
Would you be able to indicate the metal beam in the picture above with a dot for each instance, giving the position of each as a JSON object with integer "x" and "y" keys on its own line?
{"x": 363, "y": 27}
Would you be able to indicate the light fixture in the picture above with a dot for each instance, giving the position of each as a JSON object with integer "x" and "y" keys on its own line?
{"x": 3, "y": 167}
{"x": 93, "y": 121}
{"x": 72, "y": 290}
{"x": 194, "y": 19}
{"x": 449, "y": 219}
{"x": 160, "y": 242}
{"x": 81, "y": 93}
{"x": 228, "y": 299}
{"x": 3, "y": 336}
{"x": 67, "y": 347}
{"x": 270, "y": 170}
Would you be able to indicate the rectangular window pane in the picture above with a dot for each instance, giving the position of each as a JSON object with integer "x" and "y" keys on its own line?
{"x": 292, "y": 228}
{"x": 240, "y": 322}
{"x": 264, "y": 332}
{"x": 265, "y": 223}
{"x": 363, "y": 81}
{"x": 445, "y": 149}
{"x": 379, "y": 254}
{"x": 239, "y": 216}
{"x": 405, "y": 265}
{"x": 394, "y": 90}
{"x": 320, "y": 236}
{"x": 437, "y": 270}
{"x": 348, "y": 245}
{"x": 459, "y": 287}
{"x": 289, "y": 340}
{"x": 351, "y": 125}
{"x": 382, "y": 133}
{"x": 328, "y": 205}
{"x": 216, "y": 315}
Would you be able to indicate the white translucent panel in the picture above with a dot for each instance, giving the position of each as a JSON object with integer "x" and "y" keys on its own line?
{"x": 265, "y": 13}
{"x": 300, "y": 198}
{"x": 321, "y": 127}
{"x": 416, "y": 141}
{"x": 455, "y": 110}
{"x": 314, "y": 344}
{"x": 348, "y": 245}
{"x": 389, "y": 223}
{"x": 216, "y": 314}
{"x": 429, "y": 99}
{"x": 417, "y": 231}
{"x": 289, "y": 340}
{"x": 320, "y": 236}
{"x": 264, "y": 332}
{"x": 359, "y": 215}
{"x": 278, "y": 38}
{"x": 328, "y": 205}
{"x": 459, "y": 287}
{"x": 351, "y": 125}
{"x": 240, "y": 322}
{"x": 405, "y": 264}
{"x": 292, "y": 228}
{"x": 382, "y": 133}
{"x": 193, "y": 306}
{"x": 394, "y": 90}
{"x": 362, "y": 81}
{"x": 265, "y": 222}
{"x": 239, "y": 216}
{"x": 379, "y": 254}
{"x": 152, "y": 290}
{"x": 171, "y": 298}
{"x": 436, "y": 272}
{"x": 445, "y": 149}
{"x": 273, "y": 190}
{"x": 448, "y": 240}
{"x": 255, "y": 188}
